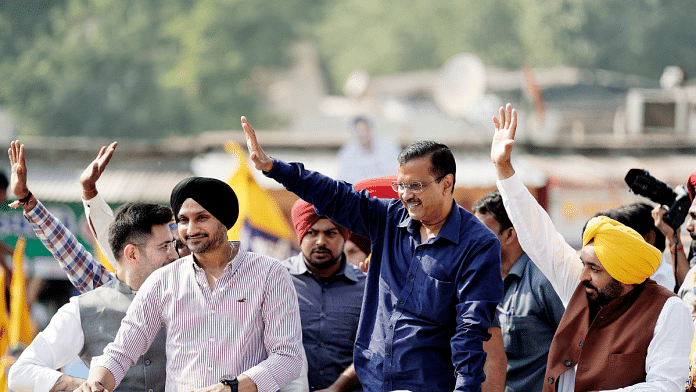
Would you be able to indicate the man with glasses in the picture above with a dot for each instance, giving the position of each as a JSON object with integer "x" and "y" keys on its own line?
{"x": 434, "y": 278}
{"x": 141, "y": 242}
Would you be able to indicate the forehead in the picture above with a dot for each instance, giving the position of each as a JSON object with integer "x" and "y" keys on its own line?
{"x": 417, "y": 169}
{"x": 191, "y": 207}
{"x": 488, "y": 220}
{"x": 323, "y": 225}
{"x": 589, "y": 256}
{"x": 161, "y": 233}
{"x": 692, "y": 209}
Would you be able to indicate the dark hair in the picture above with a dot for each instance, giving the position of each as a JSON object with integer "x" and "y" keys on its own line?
{"x": 441, "y": 158}
{"x": 3, "y": 181}
{"x": 361, "y": 119}
{"x": 492, "y": 203}
{"x": 637, "y": 216}
{"x": 133, "y": 224}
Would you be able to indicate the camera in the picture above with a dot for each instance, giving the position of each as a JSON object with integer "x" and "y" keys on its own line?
{"x": 642, "y": 183}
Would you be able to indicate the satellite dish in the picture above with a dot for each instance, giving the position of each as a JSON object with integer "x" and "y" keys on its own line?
{"x": 460, "y": 85}
{"x": 356, "y": 84}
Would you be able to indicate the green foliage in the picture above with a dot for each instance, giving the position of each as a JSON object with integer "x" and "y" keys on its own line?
{"x": 150, "y": 69}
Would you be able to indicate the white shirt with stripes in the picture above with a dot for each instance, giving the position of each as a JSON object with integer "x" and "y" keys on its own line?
{"x": 248, "y": 324}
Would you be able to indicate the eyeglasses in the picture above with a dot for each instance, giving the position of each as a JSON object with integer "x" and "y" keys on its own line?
{"x": 167, "y": 246}
{"x": 413, "y": 186}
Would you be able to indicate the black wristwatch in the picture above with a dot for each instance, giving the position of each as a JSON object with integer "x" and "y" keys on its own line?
{"x": 230, "y": 381}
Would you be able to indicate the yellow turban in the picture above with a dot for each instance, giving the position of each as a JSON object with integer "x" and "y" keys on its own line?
{"x": 621, "y": 250}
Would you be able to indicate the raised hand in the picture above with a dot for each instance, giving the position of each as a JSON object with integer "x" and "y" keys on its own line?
{"x": 18, "y": 180}
{"x": 503, "y": 139}
{"x": 261, "y": 160}
{"x": 89, "y": 177}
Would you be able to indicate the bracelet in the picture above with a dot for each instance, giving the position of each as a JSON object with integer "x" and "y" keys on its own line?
{"x": 679, "y": 246}
{"x": 25, "y": 200}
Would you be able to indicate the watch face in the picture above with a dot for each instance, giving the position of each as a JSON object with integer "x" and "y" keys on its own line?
{"x": 229, "y": 380}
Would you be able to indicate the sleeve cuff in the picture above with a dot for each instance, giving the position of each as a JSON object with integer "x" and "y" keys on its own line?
{"x": 34, "y": 215}
{"x": 111, "y": 365}
{"x": 262, "y": 378}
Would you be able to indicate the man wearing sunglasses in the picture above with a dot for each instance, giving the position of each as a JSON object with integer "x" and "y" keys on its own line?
{"x": 141, "y": 242}
{"x": 434, "y": 278}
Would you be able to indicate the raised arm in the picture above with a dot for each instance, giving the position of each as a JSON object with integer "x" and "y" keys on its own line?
{"x": 261, "y": 161}
{"x": 84, "y": 272}
{"x": 98, "y": 213}
{"x": 538, "y": 237}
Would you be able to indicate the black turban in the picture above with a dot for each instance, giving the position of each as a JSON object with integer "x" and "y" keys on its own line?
{"x": 215, "y": 196}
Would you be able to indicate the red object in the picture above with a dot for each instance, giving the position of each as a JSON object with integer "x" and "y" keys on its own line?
{"x": 691, "y": 186}
{"x": 379, "y": 187}
{"x": 303, "y": 217}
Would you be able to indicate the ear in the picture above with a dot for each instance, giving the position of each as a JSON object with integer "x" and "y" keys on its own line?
{"x": 509, "y": 235}
{"x": 650, "y": 237}
{"x": 448, "y": 182}
{"x": 131, "y": 254}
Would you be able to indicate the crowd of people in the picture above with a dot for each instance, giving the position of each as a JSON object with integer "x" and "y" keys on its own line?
{"x": 395, "y": 288}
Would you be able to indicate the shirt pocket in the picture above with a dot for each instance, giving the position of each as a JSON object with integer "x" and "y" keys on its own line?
{"x": 433, "y": 299}
{"x": 343, "y": 325}
{"x": 517, "y": 336}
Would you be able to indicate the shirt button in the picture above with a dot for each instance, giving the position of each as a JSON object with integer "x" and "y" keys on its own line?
{"x": 321, "y": 344}
{"x": 411, "y": 276}
{"x": 211, "y": 340}
{"x": 210, "y": 368}
{"x": 550, "y": 380}
{"x": 567, "y": 363}
{"x": 322, "y": 315}
{"x": 147, "y": 362}
{"x": 401, "y": 301}
{"x": 388, "y": 355}
{"x": 321, "y": 372}
{"x": 391, "y": 327}
{"x": 150, "y": 390}
{"x": 323, "y": 290}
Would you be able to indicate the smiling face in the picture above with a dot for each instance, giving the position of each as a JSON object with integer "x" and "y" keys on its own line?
{"x": 322, "y": 246}
{"x": 158, "y": 251}
{"x": 600, "y": 287}
{"x": 199, "y": 229}
{"x": 432, "y": 203}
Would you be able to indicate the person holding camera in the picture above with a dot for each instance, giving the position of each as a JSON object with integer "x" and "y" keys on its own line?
{"x": 620, "y": 328}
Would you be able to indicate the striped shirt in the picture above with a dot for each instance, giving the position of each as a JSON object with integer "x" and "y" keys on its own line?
{"x": 249, "y": 323}
{"x": 84, "y": 272}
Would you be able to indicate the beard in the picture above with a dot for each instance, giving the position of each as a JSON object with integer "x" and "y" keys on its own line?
{"x": 602, "y": 297}
{"x": 206, "y": 242}
{"x": 322, "y": 264}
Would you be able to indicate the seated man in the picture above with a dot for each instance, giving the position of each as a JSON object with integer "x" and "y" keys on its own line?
{"x": 620, "y": 329}
{"x": 215, "y": 287}
{"x": 141, "y": 240}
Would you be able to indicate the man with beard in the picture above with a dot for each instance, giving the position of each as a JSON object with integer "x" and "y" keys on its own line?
{"x": 231, "y": 316}
{"x": 434, "y": 278}
{"x": 329, "y": 291}
{"x": 620, "y": 328}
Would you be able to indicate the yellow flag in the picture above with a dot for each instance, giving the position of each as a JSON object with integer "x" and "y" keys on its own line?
{"x": 5, "y": 363}
{"x": 96, "y": 250}
{"x": 20, "y": 329}
{"x": 4, "y": 320}
{"x": 261, "y": 225}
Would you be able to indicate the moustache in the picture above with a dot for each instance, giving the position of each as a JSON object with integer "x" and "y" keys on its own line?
{"x": 320, "y": 248}
{"x": 589, "y": 285}
{"x": 195, "y": 236}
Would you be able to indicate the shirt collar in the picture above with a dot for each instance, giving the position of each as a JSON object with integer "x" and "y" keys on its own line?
{"x": 231, "y": 265}
{"x": 519, "y": 266}
{"x": 450, "y": 230}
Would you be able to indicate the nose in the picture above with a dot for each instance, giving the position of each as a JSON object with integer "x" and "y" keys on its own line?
{"x": 172, "y": 254}
{"x": 406, "y": 194}
{"x": 690, "y": 225}
{"x": 585, "y": 274}
{"x": 321, "y": 239}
